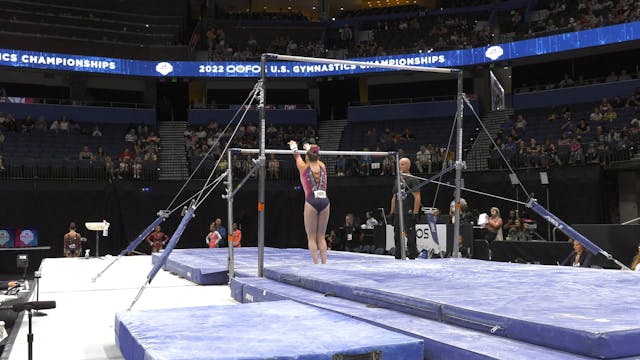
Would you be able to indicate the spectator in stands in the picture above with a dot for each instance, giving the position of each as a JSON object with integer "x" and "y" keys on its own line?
{"x": 612, "y": 77}
{"x": 388, "y": 166}
{"x": 520, "y": 125}
{"x": 579, "y": 257}
{"x": 592, "y": 155}
{"x": 99, "y": 155}
{"x": 157, "y": 239}
{"x": 330, "y": 238}
{"x": 96, "y": 131}
{"x": 635, "y": 122}
{"x": 10, "y": 124}
{"x": 149, "y": 155}
{"x": 201, "y": 134}
{"x": 634, "y": 99}
{"x": 494, "y": 226}
{"x": 423, "y": 159}
{"x": 28, "y": 124}
{"x": 370, "y": 221}
{"x": 605, "y": 106}
{"x": 64, "y": 124}
{"x": 136, "y": 168}
{"x": 596, "y": 115}
{"x": 610, "y": 115}
{"x": 364, "y": 163}
{"x": 407, "y": 135}
{"x": 576, "y": 154}
{"x": 131, "y": 136}
{"x": 567, "y": 81}
{"x": 273, "y": 167}
{"x": 635, "y": 263}
{"x": 511, "y": 220}
{"x": 1, "y": 163}
{"x": 569, "y": 126}
{"x": 41, "y": 124}
{"x": 517, "y": 232}
{"x": 533, "y": 153}
{"x": 341, "y": 165}
{"x": 583, "y": 127}
{"x": 85, "y": 154}
{"x": 124, "y": 163}
{"x": 617, "y": 102}
{"x": 110, "y": 168}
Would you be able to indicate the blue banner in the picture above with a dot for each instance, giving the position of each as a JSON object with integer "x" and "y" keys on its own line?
{"x": 457, "y": 58}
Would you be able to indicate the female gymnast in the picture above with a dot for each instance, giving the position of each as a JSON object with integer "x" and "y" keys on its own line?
{"x": 313, "y": 177}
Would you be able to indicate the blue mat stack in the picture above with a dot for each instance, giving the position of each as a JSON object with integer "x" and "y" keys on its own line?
{"x": 459, "y": 308}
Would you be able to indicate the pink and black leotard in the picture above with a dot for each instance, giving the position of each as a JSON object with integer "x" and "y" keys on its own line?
{"x": 310, "y": 185}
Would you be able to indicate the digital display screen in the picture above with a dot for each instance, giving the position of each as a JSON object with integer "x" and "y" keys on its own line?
{"x": 26, "y": 238}
{"x": 456, "y": 58}
{"x": 6, "y": 238}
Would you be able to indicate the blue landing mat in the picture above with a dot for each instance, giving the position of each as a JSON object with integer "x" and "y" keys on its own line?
{"x": 441, "y": 341}
{"x": 591, "y": 312}
{"x": 209, "y": 266}
{"x": 273, "y": 330}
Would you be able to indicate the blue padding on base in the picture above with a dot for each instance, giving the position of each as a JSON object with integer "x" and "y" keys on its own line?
{"x": 272, "y": 330}
{"x": 592, "y": 312}
{"x": 209, "y": 266}
{"x": 441, "y": 341}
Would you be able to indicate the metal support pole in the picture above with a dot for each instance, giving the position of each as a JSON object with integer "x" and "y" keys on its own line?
{"x": 459, "y": 114}
{"x": 261, "y": 173}
{"x": 230, "y": 261}
{"x": 549, "y": 208}
{"x": 400, "y": 210}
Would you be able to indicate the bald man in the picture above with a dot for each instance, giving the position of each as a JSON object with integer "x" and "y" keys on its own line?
{"x": 410, "y": 209}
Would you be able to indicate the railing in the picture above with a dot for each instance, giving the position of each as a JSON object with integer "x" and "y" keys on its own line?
{"x": 251, "y": 107}
{"x": 403, "y": 100}
{"x": 73, "y": 170}
{"x": 57, "y": 101}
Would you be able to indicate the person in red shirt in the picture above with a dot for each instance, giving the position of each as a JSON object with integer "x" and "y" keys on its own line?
{"x": 213, "y": 238}
{"x": 157, "y": 239}
{"x": 236, "y": 235}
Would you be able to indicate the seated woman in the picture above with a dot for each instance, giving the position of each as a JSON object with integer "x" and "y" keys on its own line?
{"x": 517, "y": 232}
{"x": 635, "y": 264}
{"x": 579, "y": 257}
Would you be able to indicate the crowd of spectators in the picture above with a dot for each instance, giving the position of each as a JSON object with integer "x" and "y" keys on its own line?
{"x": 210, "y": 140}
{"x": 568, "y": 81}
{"x": 428, "y": 159}
{"x": 119, "y": 155}
{"x": 420, "y": 31}
{"x": 598, "y": 136}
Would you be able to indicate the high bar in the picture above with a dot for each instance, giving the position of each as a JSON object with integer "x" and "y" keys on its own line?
{"x": 322, "y": 152}
{"x": 361, "y": 63}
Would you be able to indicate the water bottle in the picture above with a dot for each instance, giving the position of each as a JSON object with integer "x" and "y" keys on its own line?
{"x": 86, "y": 254}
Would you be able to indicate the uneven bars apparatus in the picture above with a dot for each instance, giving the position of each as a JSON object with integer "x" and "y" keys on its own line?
{"x": 230, "y": 194}
{"x": 261, "y": 151}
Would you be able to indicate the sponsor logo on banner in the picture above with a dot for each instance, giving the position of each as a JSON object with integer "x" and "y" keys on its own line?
{"x": 164, "y": 68}
{"x": 4, "y": 238}
{"x": 27, "y": 237}
{"x": 494, "y": 52}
